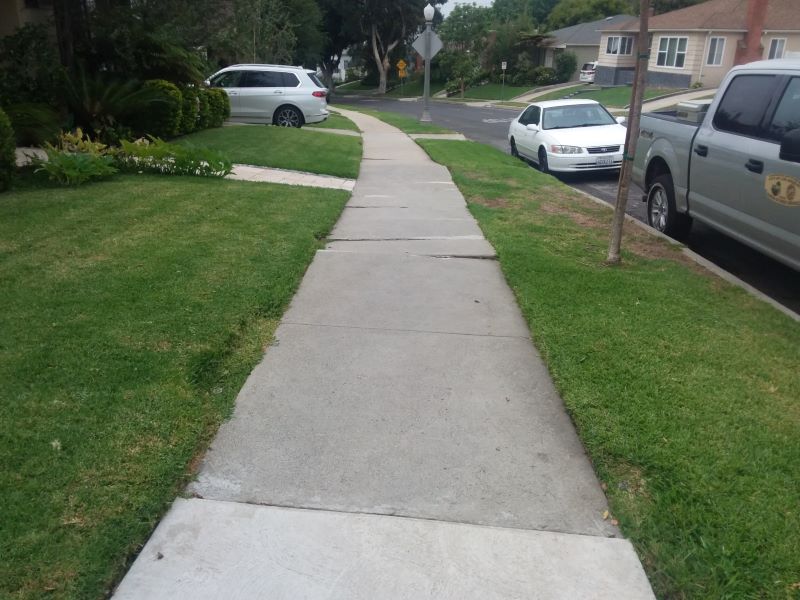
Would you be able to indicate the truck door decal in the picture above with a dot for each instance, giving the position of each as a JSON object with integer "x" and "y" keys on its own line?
{"x": 783, "y": 189}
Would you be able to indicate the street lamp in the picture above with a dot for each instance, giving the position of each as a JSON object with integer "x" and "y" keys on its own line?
{"x": 429, "y": 13}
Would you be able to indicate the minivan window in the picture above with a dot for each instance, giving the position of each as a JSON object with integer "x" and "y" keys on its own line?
{"x": 743, "y": 106}
{"x": 226, "y": 80}
{"x": 263, "y": 79}
{"x": 787, "y": 115}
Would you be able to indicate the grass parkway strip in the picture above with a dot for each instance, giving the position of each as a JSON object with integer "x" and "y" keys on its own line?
{"x": 133, "y": 311}
{"x": 684, "y": 389}
{"x": 283, "y": 148}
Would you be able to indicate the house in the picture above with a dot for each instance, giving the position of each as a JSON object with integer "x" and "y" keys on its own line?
{"x": 16, "y": 13}
{"x": 701, "y": 43}
{"x": 583, "y": 40}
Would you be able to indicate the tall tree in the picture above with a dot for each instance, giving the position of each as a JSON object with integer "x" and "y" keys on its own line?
{"x": 540, "y": 9}
{"x": 572, "y": 12}
{"x": 387, "y": 23}
{"x": 510, "y": 10}
{"x": 340, "y": 25}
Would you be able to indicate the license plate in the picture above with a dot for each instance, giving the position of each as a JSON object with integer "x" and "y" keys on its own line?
{"x": 604, "y": 161}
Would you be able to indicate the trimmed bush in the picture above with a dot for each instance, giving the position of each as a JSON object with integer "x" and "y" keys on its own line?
{"x": 566, "y": 65}
{"x": 544, "y": 76}
{"x": 190, "y": 111}
{"x": 162, "y": 118}
{"x": 204, "y": 108}
{"x": 8, "y": 161}
{"x": 219, "y": 107}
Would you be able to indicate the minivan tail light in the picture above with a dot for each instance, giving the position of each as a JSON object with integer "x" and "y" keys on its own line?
{"x": 319, "y": 94}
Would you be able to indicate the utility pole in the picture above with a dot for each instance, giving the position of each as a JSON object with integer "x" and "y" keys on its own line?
{"x": 632, "y": 134}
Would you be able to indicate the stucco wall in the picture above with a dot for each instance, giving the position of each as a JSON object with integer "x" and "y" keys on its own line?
{"x": 712, "y": 75}
{"x": 792, "y": 40}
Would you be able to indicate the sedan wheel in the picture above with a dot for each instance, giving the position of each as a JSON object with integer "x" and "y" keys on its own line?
{"x": 288, "y": 117}
{"x": 514, "y": 151}
{"x": 543, "y": 167}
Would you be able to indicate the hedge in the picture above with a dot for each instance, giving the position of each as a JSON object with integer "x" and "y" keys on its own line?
{"x": 163, "y": 118}
{"x": 204, "y": 108}
{"x": 190, "y": 110}
{"x": 8, "y": 162}
{"x": 219, "y": 107}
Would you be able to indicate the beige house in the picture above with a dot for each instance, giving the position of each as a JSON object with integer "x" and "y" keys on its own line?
{"x": 16, "y": 13}
{"x": 701, "y": 43}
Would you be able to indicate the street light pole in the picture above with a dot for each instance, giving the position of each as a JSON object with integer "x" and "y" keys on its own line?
{"x": 429, "y": 12}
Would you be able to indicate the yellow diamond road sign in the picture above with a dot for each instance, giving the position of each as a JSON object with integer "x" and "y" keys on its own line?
{"x": 401, "y": 64}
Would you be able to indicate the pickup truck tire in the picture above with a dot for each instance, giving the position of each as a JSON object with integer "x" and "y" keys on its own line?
{"x": 543, "y": 161}
{"x": 662, "y": 215}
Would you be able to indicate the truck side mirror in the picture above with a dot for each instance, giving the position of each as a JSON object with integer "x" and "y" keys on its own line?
{"x": 790, "y": 146}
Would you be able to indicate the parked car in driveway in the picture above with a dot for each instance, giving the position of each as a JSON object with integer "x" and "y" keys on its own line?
{"x": 587, "y": 72}
{"x": 732, "y": 163}
{"x": 568, "y": 136}
{"x": 276, "y": 94}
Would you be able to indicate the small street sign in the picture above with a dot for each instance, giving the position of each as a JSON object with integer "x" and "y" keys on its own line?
{"x": 503, "y": 65}
{"x": 436, "y": 44}
{"x": 401, "y": 65}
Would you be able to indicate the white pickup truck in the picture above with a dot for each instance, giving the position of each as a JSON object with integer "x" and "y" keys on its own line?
{"x": 732, "y": 163}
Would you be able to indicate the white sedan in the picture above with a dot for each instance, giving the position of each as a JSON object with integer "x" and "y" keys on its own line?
{"x": 568, "y": 136}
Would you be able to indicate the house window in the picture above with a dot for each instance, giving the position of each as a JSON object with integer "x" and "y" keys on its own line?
{"x": 715, "y": 50}
{"x": 619, "y": 45}
{"x": 776, "y": 48}
{"x": 672, "y": 52}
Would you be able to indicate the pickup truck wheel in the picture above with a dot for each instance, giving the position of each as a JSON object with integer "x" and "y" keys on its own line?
{"x": 543, "y": 161}
{"x": 662, "y": 215}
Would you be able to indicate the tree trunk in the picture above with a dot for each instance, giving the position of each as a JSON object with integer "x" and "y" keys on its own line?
{"x": 381, "y": 54}
{"x": 328, "y": 69}
{"x": 72, "y": 29}
{"x": 631, "y": 136}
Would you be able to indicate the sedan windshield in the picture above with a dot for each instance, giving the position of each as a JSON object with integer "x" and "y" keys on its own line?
{"x": 576, "y": 115}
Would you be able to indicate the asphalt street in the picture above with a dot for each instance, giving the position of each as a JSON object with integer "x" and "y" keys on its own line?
{"x": 489, "y": 125}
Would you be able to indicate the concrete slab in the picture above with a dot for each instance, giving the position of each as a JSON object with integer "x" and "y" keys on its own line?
{"x": 286, "y": 177}
{"x": 414, "y": 293}
{"x": 355, "y": 226}
{"x": 473, "y": 248}
{"x": 209, "y": 550}
{"x": 453, "y": 427}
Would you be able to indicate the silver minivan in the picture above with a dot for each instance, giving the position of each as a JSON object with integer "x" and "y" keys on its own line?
{"x": 276, "y": 94}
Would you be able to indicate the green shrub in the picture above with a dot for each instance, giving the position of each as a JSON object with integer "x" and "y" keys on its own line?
{"x": 73, "y": 168}
{"x": 33, "y": 123}
{"x": 204, "y": 108}
{"x": 190, "y": 110}
{"x": 544, "y": 76}
{"x": 219, "y": 107}
{"x": 29, "y": 67}
{"x": 157, "y": 156}
{"x": 162, "y": 119}
{"x": 566, "y": 65}
{"x": 8, "y": 160}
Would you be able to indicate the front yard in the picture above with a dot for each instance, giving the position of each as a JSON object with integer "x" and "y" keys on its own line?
{"x": 133, "y": 310}
{"x": 684, "y": 389}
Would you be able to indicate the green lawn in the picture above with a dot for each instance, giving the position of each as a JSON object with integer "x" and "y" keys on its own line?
{"x": 617, "y": 97}
{"x": 684, "y": 389}
{"x": 493, "y": 91}
{"x": 354, "y": 87}
{"x": 284, "y": 148}
{"x": 413, "y": 88}
{"x": 335, "y": 121}
{"x": 133, "y": 311}
{"x": 402, "y": 122}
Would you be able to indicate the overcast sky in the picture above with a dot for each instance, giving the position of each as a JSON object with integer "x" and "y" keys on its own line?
{"x": 446, "y": 8}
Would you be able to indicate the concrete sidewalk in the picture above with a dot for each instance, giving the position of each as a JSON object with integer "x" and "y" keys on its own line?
{"x": 402, "y": 439}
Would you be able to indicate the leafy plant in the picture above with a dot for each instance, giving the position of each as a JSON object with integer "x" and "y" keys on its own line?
{"x": 566, "y": 64}
{"x": 219, "y": 106}
{"x": 164, "y": 118}
{"x": 29, "y": 67}
{"x": 101, "y": 104}
{"x": 544, "y": 76}
{"x": 33, "y": 123}
{"x": 204, "y": 108}
{"x": 153, "y": 155}
{"x": 77, "y": 141}
{"x": 73, "y": 168}
{"x": 8, "y": 161}
{"x": 190, "y": 109}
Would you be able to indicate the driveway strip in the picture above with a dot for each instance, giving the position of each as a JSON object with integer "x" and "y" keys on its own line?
{"x": 402, "y": 438}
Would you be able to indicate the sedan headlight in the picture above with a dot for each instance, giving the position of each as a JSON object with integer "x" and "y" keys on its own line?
{"x": 566, "y": 149}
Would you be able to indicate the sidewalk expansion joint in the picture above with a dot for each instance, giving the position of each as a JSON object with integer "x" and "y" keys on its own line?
{"x": 399, "y": 330}
{"x": 400, "y": 515}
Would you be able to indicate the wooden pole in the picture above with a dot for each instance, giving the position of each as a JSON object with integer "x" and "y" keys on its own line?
{"x": 632, "y": 134}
